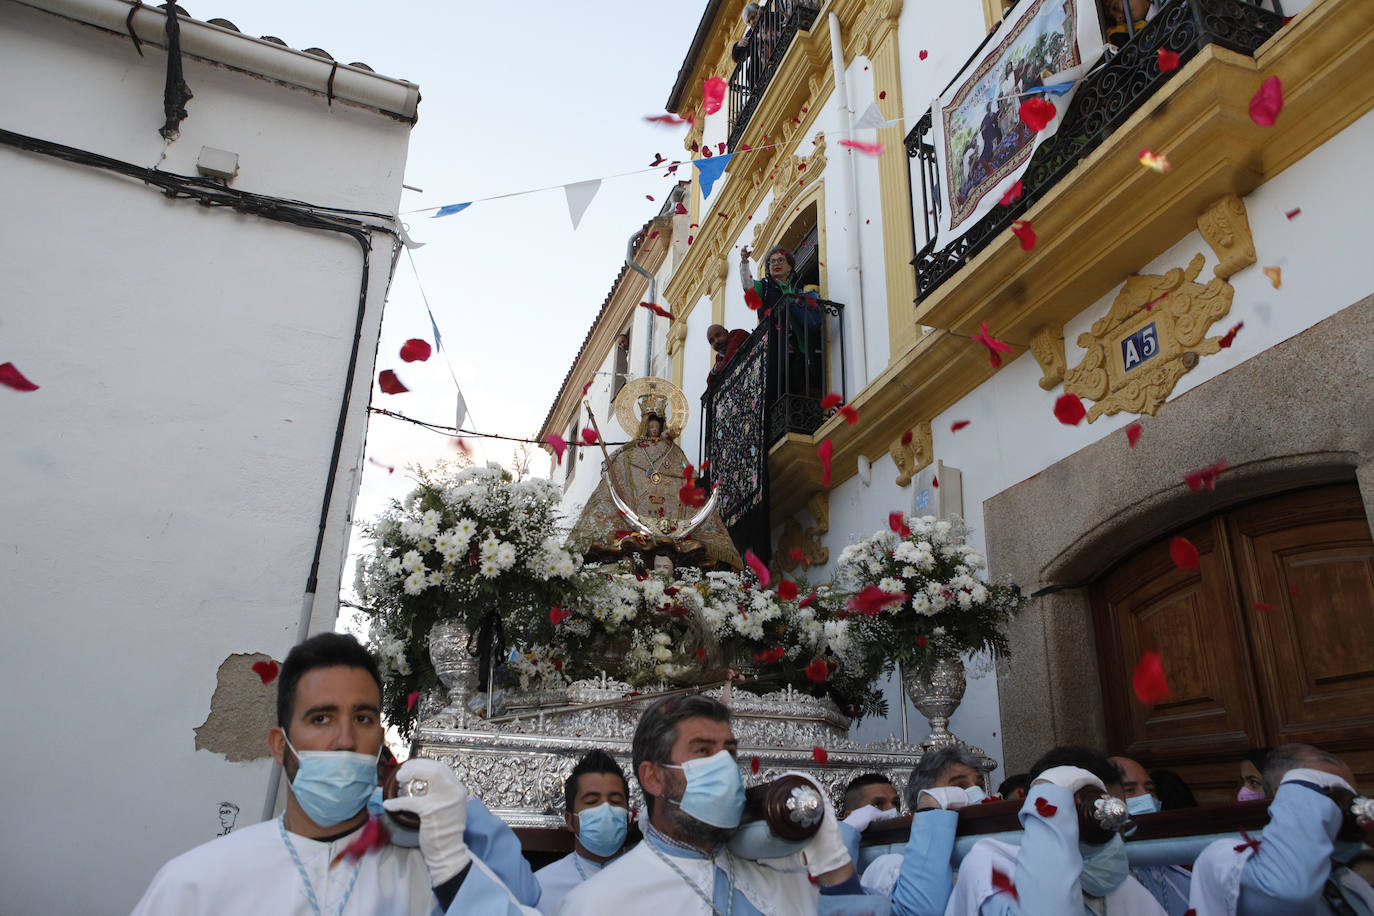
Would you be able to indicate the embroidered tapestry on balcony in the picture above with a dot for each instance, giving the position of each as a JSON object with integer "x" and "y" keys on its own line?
{"x": 981, "y": 144}
{"x": 737, "y": 448}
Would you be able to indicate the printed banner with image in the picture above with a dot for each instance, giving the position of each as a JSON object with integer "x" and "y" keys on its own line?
{"x": 981, "y": 144}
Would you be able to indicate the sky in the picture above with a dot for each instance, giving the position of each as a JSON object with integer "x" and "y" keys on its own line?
{"x": 513, "y": 98}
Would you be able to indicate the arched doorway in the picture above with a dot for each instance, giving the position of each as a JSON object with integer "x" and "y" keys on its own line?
{"x": 1269, "y": 640}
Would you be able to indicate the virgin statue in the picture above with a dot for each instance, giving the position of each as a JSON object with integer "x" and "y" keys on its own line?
{"x": 638, "y": 510}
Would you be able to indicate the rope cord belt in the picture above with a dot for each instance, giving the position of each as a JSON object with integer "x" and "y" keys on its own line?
{"x": 692, "y": 884}
{"x": 300, "y": 869}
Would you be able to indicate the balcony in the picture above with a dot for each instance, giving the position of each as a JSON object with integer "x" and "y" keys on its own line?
{"x": 1105, "y": 100}
{"x": 757, "y": 60}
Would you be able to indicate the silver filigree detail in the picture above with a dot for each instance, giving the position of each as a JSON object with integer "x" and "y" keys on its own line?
{"x": 805, "y": 806}
{"x": 1363, "y": 809}
{"x": 1111, "y": 813}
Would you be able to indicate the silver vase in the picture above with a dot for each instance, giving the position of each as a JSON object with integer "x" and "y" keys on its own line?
{"x": 457, "y": 670}
{"x": 936, "y": 690}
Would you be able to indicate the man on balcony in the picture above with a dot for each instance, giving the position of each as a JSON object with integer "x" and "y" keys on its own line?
{"x": 726, "y": 344}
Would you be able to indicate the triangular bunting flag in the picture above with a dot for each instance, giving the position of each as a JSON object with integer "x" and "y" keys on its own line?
{"x": 451, "y": 209}
{"x": 438, "y": 341}
{"x": 462, "y": 410}
{"x": 407, "y": 240}
{"x": 873, "y": 118}
{"x": 580, "y": 196}
{"x": 708, "y": 170}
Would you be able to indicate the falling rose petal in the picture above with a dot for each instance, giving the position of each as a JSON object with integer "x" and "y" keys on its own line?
{"x": 712, "y": 94}
{"x": 1133, "y": 432}
{"x": 658, "y": 310}
{"x": 11, "y": 377}
{"x": 753, "y": 300}
{"x": 374, "y": 835}
{"x": 1021, "y": 228}
{"x": 872, "y": 600}
{"x": 787, "y": 590}
{"x": 754, "y": 764}
{"x": 1013, "y": 194}
{"x": 1148, "y": 679}
{"x": 897, "y": 522}
{"x": 1037, "y": 112}
{"x": 1267, "y": 102}
{"x": 658, "y": 160}
{"x": 557, "y": 615}
{"x": 415, "y": 350}
{"x": 648, "y": 197}
{"x": 923, "y": 55}
{"x": 906, "y": 437}
{"x": 267, "y": 670}
{"x": 796, "y": 555}
{"x": 1154, "y": 161}
{"x": 755, "y": 564}
{"x": 1204, "y": 478}
{"x": 1293, "y": 214}
{"x": 869, "y": 149}
{"x": 1069, "y": 410}
{"x": 1265, "y": 606}
{"x": 922, "y": 641}
{"x": 589, "y": 436}
{"x": 809, "y": 599}
{"x": 1183, "y": 553}
{"x": 679, "y": 209}
{"x": 1001, "y": 883}
{"x": 819, "y": 755}
{"x": 1275, "y": 275}
{"x": 1044, "y": 808}
{"x": 411, "y": 699}
{"x": 831, "y": 401}
{"x": 1225, "y": 340}
{"x": 691, "y": 495}
{"x": 935, "y": 482}
{"x": 826, "y": 451}
{"x": 556, "y": 442}
{"x": 389, "y": 383}
{"x": 883, "y": 94}
{"x": 850, "y": 414}
{"x": 706, "y": 151}
{"x": 1168, "y": 60}
{"x": 587, "y": 387}
{"x": 958, "y": 425}
{"x": 817, "y": 672}
{"x": 720, "y": 147}
{"x": 670, "y": 120}
{"x": 390, "y": 468}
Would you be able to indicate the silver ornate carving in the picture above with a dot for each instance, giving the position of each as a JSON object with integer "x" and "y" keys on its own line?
{"x": 1111, "y": 813}
{"x": 457, "y": 670}
{"x": 936, "y": 690}
{"x": 804, "y": 806}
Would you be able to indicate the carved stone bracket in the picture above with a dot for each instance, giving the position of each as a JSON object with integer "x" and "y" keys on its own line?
{"x": 677, "y": 336}
{"x": 911, "y": 456}
{"x": 1047, "y": 346}
{"x": 808, "y": 540}
{"x": 1226, "y": 227}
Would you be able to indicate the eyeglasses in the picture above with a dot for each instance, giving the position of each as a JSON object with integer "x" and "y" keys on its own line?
{"x": 778, "y": 260}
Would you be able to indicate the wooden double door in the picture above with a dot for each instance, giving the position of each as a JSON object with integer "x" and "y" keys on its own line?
{"x": 1269, "y": 640}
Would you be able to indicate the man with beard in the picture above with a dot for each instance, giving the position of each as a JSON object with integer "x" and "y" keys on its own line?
{"x": 684, "y": 758}
{"x": 726, "y": 344}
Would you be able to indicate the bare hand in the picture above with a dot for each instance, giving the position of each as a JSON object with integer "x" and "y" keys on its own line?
{"x": 744, "y": 253}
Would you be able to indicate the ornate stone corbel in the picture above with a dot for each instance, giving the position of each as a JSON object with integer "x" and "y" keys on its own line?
{"x": 1226, "y": 227}
{"x": 1047, "y": 346}
{"x": 677, "y": 336}
{"x": 914, "y": 454}
{"x": 807, "y": 540}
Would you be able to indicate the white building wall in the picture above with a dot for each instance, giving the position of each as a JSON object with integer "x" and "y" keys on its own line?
{"x": 162, "y": 489}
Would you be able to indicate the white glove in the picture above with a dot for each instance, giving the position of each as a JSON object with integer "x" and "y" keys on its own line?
{"x": 1071, "y": 778}
{"x": 862, "y": 818}
{"x": 441, "y": 802}
{"x": 1317, "y": 778}
{"x": 950, "y": 798}
{"x": 825, "y": 851}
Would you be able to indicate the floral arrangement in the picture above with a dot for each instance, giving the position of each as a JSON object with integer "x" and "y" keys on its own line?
{"x": 458, "y": 547}
{"x": 914, "y": 594}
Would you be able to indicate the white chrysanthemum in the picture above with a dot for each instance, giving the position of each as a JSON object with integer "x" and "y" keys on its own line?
{"x": 393, "y": 566}
{"x": 938, "y": 631}
{"x": 980, "y": 593}
{"x": 965, "y": 599}
{"x": 464, "y": 529}
{"x": 489, "y": 568}
{"x": 920, "y": 603}
{"x": 412, "y": 561}
{"x": 505, "y": 555}
{"x": 906, "y": 552}
{"x": 837, "y": 634}
{"x": 909, "y": 572}
{"x": 892, "y": 586}
{"x": 975, "y": 560}
{"x": 662, "y": 653}
{"x": 415, "y": 583}
{"x": 410, "y": 530}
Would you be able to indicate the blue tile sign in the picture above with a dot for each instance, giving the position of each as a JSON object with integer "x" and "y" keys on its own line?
{"x": 1139, "y": 347}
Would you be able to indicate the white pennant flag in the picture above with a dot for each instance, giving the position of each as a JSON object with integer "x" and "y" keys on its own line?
{"x": 580, "y": 196}
{"x": 462, "y": 410}
{"x": 874, "y": 118}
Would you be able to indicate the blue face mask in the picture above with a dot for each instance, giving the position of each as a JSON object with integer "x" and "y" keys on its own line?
{"x": 332, "y": 786}
{"x": 601, "y": 830}
{"x": 1142, "y": 804}
{"x": 1105, "y": 867}
{"x": 889, "y": 813}
{"x": 715, "y": 790}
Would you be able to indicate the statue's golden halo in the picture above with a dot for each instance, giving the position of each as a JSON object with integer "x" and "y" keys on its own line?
{"x": 628, "y": 414}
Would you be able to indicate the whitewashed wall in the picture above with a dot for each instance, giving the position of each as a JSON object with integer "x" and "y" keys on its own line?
{"x": 162, "y": 489}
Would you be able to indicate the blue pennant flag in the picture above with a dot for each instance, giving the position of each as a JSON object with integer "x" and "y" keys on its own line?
{"x": 1056, "y": 88}
{"x": 451, "y": 209}
{"x": 708, "y": 170}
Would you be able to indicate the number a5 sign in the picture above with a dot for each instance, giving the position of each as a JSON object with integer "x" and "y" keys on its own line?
{"x": 1140, "y": 346}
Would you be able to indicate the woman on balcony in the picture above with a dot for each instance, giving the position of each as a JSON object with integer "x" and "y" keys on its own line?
{"x": 803, "y": 318}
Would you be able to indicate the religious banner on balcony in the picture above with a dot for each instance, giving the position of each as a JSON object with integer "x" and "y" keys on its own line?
{"x": 738, "y": 449}
{"x": 982, "y": 145}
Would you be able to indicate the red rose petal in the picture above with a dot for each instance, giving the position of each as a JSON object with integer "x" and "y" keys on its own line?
{"x": 1037, "y": 112}
{"x": 415, "y": 350}
{"x": 670, "y": 120}
{"x": 1013, "y": 194}
{"x": 754, "y": 764}
{"x": 923, "y": 55}
{"x": 1267, "y": 102}
{"x": 266, "y": 670}
{"x": 556, "y": 443}
{"x": 1265, "y": 606}
{"x": 796, "y": 555}
{"x": 906, "y": 437}
{"x": 587, "y": 387}
{"x": 1069, "y": 410}
{"x": 757, "y": 566}
{"x": 679, "y": 209}
{"x": 658, "y": 310}
{"x": 1133, "y": 432}
{"x": 589, "y": 436}
{"x": 825, "y": 451}
{"x": 1148, "y": 679}
{"x": 882, "y": 95}
{"x": 411, "y": 699}
{"x": 850, "y": 414}
{"x": 1292, "y": 214}
{"x": 872, "y": 600}
{"x": 817, "y": 672}
{"x": 374, "y": 835}
{"x": 1229, "y": 337}
{"x": 389, "y": 383}
{"x": 868, "y": 149}
{"x": 934, "y": 481}
{"x": 819, "y": 755}
{"x": 958, "y": 425}
{"x": 1183, "y": 553}
{"x": 809, "y": 599}
{"x": 1275, "y": 275}
{"x": 712, "y": 94}
{"x": 1022, "y": 229}
{"x": 831, "y": 400}
{"x": 11, "y": 377}
{"x": 390, "y": 468}
{"x": 692, "y": 495}
{"x": 1168, "y": 60}
{"x": 1204, "y": 478}
{"x": 897, "y": 522}
{"x": 1044, "y": 808}
{"x": 557, "y": 615}
{"x": 787, "y": 590}
{"x": 1001, "y": 881}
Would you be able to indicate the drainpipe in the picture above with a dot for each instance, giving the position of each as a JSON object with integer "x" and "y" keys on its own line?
{"x": 653, "y": 297}
{"x": 855, "y": 307}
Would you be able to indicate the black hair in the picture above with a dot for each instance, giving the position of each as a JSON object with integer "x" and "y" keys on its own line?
{"x": 323, "y": 650}
{"x": 656, "y": 732}
{"x": 1011, "y": 784}
{"x": 1173, "y": 793}
{"x": 1259, "y": 756}
{"x": 594, "y": 761}
{"x": 859, "y": 782}
{"x": 1070, "y": 755}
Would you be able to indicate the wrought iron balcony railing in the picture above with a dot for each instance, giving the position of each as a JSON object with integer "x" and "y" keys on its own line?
{"x": 1104, "y": 99}
{"x": 758, "y": 55}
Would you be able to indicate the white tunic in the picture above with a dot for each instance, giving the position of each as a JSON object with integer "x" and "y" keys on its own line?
{"x": 250, "y": 871}
{"x": 557, "y": 878}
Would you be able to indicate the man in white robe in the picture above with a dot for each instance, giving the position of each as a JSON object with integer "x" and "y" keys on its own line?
{"x": 1296, "y": 865}
{"x": 683, "y": 753}
{"x": 597, "y": 812}
{"x": 328, "y": 738}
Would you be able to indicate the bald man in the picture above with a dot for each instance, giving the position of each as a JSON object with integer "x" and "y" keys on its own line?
{"x": 1169, "y": 884}
{"x": 726, "y": 344}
